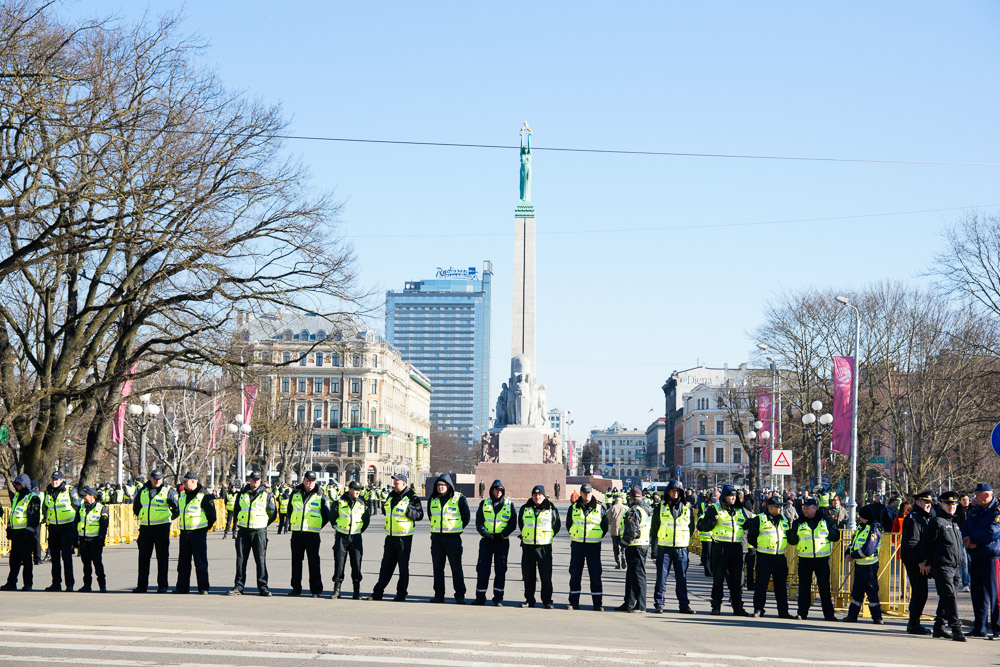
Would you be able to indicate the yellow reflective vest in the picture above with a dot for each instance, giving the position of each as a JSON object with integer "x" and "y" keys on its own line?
{"x": 251, "y": 514}
{"x": 19, "y": 511}
{"x": 674, "y": 531}
{"x": 539, "y": 528}
{"x": 89, "y": 524}
{"x": 772, "y": 539}
{"x": 349, "y": 517}
{"x": 445, "y": 519}
{"x": 153, "y": 508}
{"x": 192, "y": 515}
{"x": 645, "y": 526}
{"x": 814, "y": 543}
{"x": 586, "y": 526}
{"x": 728, "y": 527}
{"x": 59, "y": 507}
{"x": 397, "y": 524}
{"x": 860, "y": 538}
{"x": 307, "y": 511}
{"x": 495, "y": 522}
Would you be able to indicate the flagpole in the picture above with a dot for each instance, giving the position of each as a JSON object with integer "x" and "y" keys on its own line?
{"x": 852, "y": 503}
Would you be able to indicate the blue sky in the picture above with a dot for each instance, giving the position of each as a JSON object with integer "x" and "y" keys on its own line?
{"x": 621, "y": 309}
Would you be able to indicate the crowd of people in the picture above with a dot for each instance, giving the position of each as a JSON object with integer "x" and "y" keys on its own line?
{"x": 743, "y": 542}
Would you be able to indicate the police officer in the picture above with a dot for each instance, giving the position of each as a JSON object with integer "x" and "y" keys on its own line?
{"x": 981, "y": 536}
{"x": 940, "y": 549}
{"x": 402, "y": 509}
{"x": 705, "y": 536}
{"x": 60, "y": 503}
{"x": 255, "y": 511}
{"x": 448, "y": 511}
{"x": 587, "y": 524}
{"x": 92, "y": 531}
{"x": 309, "y": 512}
{"x": 863, "y": 553}
{"x": 768, "y": 533}
{"x": 22, "y": 526}
{"x": 284, "y": 495}
{"x": 813, "y": 536}
{"x": 495, "y": 521}
{"x": 725, "y": 521}
{"x": 914, "y": 526}
{"x": 538, "y": 521}
{"x": 635, "y": 528}
{"x": 155, "y": 506}
{"x": 350, "y": 516}
{"x": 197, "y": 516}
{"x": 673, "y": 525}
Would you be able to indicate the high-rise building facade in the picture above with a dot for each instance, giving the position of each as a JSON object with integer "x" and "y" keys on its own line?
{"x": 442, "y": 326}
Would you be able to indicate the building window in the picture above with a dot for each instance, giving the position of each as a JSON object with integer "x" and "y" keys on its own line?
{"x": 317, "y": 443}
{"x": 317, "y": 385}
{"x": 334, "y": 359}
{"x": 267, "y": 383}
{"x": 737, "y": 455}
{"x": 319, "y": 358}
{"x": 355, "y": 416}
{"x": 334, "y": 386}
{"x": 374, "y": 361}
{"x": 718, "y": 402}
{"x": 302, "y": 385}
{"x": 372, "y": 445}
{"x": 356, "y": 361}
{"x": 701, "y": 428}
{"x": 334, "y": 445}
{"x": 303, "y": 360}
{"x": 355, "y": 385}
{"x": 286, "y": 385}
{"x": 300, "y": 413}
{"x": 374, "y": 387}
{"x": 335, "y": 417}
{"x": 697, "y": 454}
{"x": 286, "y": 357}
{"x": 720, "y": 427}
{"x": 374, "y": 418}
{"x": 720, "y": 455}
{"x": 317, "y": 416}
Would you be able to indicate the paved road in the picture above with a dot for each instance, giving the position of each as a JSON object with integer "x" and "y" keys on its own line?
{"x": 119, "y": 628}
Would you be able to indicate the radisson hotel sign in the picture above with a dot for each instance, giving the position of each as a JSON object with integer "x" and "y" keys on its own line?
{"x": 462, "y": 274}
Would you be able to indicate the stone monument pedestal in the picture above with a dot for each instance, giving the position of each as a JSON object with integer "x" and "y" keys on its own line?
{"x": 519, "y": 478}
{"x": 521, "y": 457}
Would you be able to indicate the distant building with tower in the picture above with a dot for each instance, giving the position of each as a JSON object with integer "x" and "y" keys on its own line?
{"x": 442, "y": 326}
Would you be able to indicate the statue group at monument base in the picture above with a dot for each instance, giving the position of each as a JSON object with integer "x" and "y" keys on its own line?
{"x": 519, "y": 478}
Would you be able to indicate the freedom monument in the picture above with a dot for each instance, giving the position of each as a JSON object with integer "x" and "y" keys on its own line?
{"x": 521, "y": 449}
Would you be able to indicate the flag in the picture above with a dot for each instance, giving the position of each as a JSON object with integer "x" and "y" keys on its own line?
{"x": 843, "y": 404}
{"x": 764, "y": 407}
{"x": 216, "y": 424}
{"x": 249, "y": 396}
{"x": 118, "y": 428}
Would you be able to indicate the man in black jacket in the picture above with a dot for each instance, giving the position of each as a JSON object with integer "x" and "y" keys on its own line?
{"x": 155, "y": 506}
{"x": 768, "y": 534}
{"x": 196, "y": 518}
{"x": 539, "y": 523}
{"x": 635, "y": 531}
{"x": 60, "y": 503}
{"x": 672, "y": 528}
{"x": 22, "y": 526}
{"x": 92, "y": 529}
{"x": 941, "y": 547}
{"x": 587, "y": 524}
{"x": 813, "y": 535}
{"x": 308, "y": 512}
{"x": 350, "y": 516}
{"x": 255, "y": 510}
{"x": 495, "y": 521}
{"x": 448, "y": 514}
{"x": 725, "y": 522}
{"x": 402, "y": 508}
{"x": 914, "y": 526}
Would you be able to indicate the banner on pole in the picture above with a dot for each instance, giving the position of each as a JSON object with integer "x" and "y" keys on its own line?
{"x": 216, "y": 424}
{"x": 764, "y": 410}
{"x": 843, "y": 407}
{"x": 118, "y": 428}
{"x": 249, "y": 397}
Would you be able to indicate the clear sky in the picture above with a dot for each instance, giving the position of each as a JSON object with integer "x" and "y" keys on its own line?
{"x": 639, "y": 270}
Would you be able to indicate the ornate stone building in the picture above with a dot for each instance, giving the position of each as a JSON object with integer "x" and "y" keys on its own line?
{"x": 367, "y": 411}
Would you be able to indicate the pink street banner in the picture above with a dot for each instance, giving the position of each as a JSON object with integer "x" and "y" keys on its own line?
{"x": 118, "y": 428}
{"x": 249, "y": 397}
{"x": 216, "y": 424}
{"x": 843, "y": 383}
{"x": 764, "y": 407}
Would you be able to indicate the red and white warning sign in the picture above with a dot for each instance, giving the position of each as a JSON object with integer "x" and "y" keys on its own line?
{"x": 781, "y": 462}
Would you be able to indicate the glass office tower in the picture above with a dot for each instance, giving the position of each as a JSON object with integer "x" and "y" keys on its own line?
{"x": 442, "y": 326}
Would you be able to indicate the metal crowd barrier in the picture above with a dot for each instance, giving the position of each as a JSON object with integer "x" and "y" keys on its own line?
{"x": 123, "y": 526}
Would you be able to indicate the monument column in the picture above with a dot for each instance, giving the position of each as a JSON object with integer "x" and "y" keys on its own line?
{"x": 523, "y": 323}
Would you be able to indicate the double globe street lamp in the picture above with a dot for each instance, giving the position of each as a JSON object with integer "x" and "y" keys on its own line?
{"x": 817, "y": 427}
{"x": 240, "y": 430}
{"x": 144, "y": 411}
{"x": 759, "y": 440}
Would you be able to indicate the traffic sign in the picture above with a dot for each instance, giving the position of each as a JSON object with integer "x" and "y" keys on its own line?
{"x": 781, "y": 462}
{"x": 995, "y": 439}
{"x": 4, "y": 434}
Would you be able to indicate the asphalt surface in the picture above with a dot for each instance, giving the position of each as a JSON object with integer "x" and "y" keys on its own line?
{"x": 120, "y": 628}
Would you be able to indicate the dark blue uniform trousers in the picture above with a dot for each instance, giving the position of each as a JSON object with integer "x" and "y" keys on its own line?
{"x": 771, "y": 567}
{"x": 668, "y": 558}
{"x": 580, "y": 553}
{"x": 493, "y": 552}
{"x": 984, "y": 574}
{"x": 865, "y": 583}
{"x": 447, "y": 546}
{"x": 192, "y": 546}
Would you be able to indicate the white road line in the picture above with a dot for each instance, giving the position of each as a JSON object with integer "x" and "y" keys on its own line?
{"x": 48, "y": 659}
{"x": 66, "y": 635}
{"x": 125, "y": 629}
{"x": 257, "y": 655}
{"x": 801, "y": 661}
{"x": 558, "y": 647}
{"x": 394, "y": 646}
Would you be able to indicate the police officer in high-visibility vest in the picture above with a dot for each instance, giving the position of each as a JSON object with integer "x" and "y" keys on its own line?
{"x": 587, "y": 524}
{"x": 448, "y": 513}
{"x": 255, "y": 511}
{"x": 283, "y": 500}
{"x": 863, "y": 553}
{"x": 768, "y": 533}
{"x": 705, "y": 536}
{"x": 22, "y": 525}
{"x": 92, "y": 531}
{"x": 197, "y": 516}
{"x": 495, "y": 521}
{"x": 539, "y": 522}
{"x": 155, "y": 506}
{"x": 309, "y": 512}
{"x": 60, "y": 504}
{"x": 673, "y": 525}
{"x": 813, "y": 536}
{"x": 350, "y": 516}
{"x": 725, "y": 520}
{"x": 635, "y": 529}
{"x": 823, "y": 496}
{"x": 402, "y": 509}
{"x": 231, "y": 511}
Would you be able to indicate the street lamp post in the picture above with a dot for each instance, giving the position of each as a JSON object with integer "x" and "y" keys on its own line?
{"x": 852, "y": 505}
{"x": 144, "y": 411}
{"x": 755, "y": 451}
{"x": 239, "y": 429}
{"x": 817, "y": 428}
